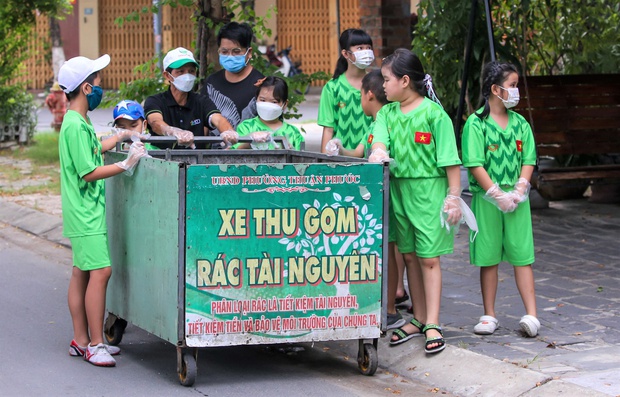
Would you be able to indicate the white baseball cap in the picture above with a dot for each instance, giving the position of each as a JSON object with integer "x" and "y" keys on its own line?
{"x": 73, "y": 72}
{"x": 178, "y": 57}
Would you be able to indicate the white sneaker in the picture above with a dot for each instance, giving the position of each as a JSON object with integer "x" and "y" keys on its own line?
{"x": 530, "y": 325}
{"x": 77, "y": 350}
{"x": 486, "y": 326}
{"x": 99, "y": 356}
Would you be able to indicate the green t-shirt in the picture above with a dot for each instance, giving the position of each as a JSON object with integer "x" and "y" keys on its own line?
{"x": 290, "y": 132}
{"x": 422, "y": 141}
{"x": 83, "y": 203}
{"x": 368, "y": 141}
{"x": 341, "y": 109}
{"x": 502, "y": 152}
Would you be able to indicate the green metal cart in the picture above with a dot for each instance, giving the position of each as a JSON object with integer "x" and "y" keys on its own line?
{"x": 233, "y": 247}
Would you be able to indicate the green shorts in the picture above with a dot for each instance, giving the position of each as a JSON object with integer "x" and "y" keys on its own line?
{"x": 90, "y": 252}
{"x": 417, "y": 204}
{"x": 501, "y": 237}
{"x": 391, "y": 226}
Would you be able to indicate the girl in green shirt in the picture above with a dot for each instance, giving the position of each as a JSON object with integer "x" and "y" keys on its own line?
{"x": 271, "y": 100}
{"x": 340, "y": 107}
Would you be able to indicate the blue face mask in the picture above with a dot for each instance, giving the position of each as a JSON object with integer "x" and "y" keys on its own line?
{"x": 94, "y": 98}
{"x": 233, "y": 63}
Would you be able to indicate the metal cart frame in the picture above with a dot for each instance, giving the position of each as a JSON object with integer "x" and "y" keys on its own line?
{"x": 147, "y": 227}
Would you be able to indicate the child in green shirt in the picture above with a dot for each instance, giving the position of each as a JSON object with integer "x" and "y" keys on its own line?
{"x": 271, "y": 100}
{"x": 83, "y": 205}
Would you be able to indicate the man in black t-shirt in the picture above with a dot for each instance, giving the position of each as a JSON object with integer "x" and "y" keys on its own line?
{"x": 179, "y": 112}
{"x": 233, "y": 89}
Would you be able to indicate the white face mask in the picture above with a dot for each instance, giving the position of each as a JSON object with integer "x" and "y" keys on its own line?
{"x": 184, "y": 82}
{"x": 363, "y": 58}
{"x": 268, "y": 111}
{"x": 513, "y": 97}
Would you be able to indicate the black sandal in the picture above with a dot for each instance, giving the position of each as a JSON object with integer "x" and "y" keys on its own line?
{"x": 439, "y": 340}
{"x": 402, "y": 299}
{"x": 403, "y": 336}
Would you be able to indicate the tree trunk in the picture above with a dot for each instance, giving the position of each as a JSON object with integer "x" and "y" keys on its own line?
{"x": 58, "y": 53}
{"x": 206, "y": 37}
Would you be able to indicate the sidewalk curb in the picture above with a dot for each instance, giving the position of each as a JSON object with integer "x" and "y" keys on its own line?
{"x": 34, "y": 222}
{"x": 462, "y": 372}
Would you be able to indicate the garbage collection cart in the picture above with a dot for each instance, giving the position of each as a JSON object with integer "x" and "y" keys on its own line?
{"x": 232, "y": 247}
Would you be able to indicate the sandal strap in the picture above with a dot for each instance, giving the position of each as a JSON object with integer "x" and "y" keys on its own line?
{"x": 414, "y": 321}
{"x": 432, "y": 326}
{"x": 400, "y": 333}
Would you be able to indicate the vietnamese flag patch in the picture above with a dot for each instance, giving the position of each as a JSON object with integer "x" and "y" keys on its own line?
{"x": 423, "y": 137}
{"x": 519, "y": 146}
{"x": 370, "y": 138}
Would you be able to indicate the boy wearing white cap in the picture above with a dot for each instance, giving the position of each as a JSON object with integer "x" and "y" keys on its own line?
{"x": 83, "y": 205}
{"x": 179, "y": 112}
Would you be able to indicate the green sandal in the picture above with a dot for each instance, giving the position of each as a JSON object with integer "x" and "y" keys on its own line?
{"x": 403, "y": 336}
{"x": 436, "y": 340}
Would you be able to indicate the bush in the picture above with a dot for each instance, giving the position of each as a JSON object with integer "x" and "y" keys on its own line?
{"x": 18, "y": 115}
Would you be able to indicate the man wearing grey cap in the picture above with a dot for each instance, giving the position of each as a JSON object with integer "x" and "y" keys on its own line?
{"x": 179, "y": 112}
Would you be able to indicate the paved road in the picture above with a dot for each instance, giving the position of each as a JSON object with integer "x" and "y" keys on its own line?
{"x": 35, "y": 331}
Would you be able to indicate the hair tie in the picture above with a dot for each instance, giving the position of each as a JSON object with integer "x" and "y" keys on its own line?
{"x": 259, "y": 82}
{"x": 428, "y": 83}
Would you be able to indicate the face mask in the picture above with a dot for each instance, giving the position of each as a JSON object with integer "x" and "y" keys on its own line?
{"x": 363, "y": 58}
{"x": 184, "y": 82}
{"x": 268, "y": 111}
{"x": 513, "y": 97}
{"x": 94, "y": 98}
{"x": 233, "y": 63}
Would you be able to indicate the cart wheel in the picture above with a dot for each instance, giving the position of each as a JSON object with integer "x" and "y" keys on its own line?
{"x": 188, "y": 370}
{"x": 368, "y": 360}
{"x": 114, "y": 332}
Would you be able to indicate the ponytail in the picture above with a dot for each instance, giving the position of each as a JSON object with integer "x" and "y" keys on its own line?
{"x": 493, "y": 73}
{"x": 403, "y": 62}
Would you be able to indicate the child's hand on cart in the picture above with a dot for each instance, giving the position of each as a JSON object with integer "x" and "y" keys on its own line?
{"x": 261, "y": 140}
{"x": 136, "y": 152}
{"x": 379, "y": 155}
{"x": 184, "y": 137}
{"x": 333, "y": 147}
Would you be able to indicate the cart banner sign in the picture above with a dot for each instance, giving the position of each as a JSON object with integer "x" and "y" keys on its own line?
{"x": 283, "y": 253}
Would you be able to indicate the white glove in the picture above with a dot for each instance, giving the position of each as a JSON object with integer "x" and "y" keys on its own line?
{"x": 333, "y": 147}
{"x": 230, "y": 137}
{"x": 261, "y": 136}
{"x": 123, "y": 134}
{"x": 521, "y": 191}
{"x": 184, "y": 137}
{"x": 136, "y": 152}
{"x": 452, "y": 210}
{"x": 502, "y": 200}
{"x": 378, "y": 156}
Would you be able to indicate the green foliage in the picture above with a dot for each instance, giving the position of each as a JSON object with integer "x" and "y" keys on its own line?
{"x": 17, "y": 19}
{"x": 559, "y": 37}
{"x": 147, "y": 80}
{"x": 18, "y": 109}
{"x": 541, "y": 37}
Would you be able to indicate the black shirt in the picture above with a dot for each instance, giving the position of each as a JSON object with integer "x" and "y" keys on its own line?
{"x": 236, "y": 101}
{"x": 193, "y": 116}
